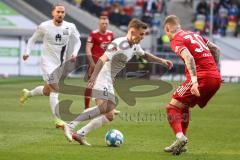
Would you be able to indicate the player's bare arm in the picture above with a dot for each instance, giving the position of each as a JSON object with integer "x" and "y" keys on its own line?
{"x": 102, "y": 60}
{"x": 191, "y": 66}
{"x": 215, "y": 51}
{"x": 150, "y": 57}
{"x": 89, "y": 54}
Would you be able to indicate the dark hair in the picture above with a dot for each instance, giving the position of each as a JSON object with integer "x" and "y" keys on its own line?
{"x": 136, "y": 23}
{"x": 56, "y": 5}
{"x": 171, "y": 19}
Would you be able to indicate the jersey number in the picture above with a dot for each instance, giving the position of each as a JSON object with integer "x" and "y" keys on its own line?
{"x": 196, "y": 39}
{"x": 105, "y": 91}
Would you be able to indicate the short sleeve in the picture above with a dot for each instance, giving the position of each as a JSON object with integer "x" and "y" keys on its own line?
{"x": 139, "y": 51}
{"x": 90, "y": 38}
{"x": 111, "y": 51}
{"x": 178, "y": 45}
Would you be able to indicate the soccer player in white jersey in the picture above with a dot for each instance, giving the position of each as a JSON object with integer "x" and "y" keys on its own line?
{"x": 56, "y": 34}
{"x": 119, "y": 52}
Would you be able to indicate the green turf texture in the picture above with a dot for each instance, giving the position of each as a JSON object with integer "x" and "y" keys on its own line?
{"x": 28, "y": 132}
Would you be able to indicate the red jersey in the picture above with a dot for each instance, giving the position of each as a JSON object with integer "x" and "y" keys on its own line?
{"x": 100, "y": 42}
{"x": 197, "y": 46}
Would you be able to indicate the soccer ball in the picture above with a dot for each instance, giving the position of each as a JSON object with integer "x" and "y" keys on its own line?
{"x": 114, "y": 138}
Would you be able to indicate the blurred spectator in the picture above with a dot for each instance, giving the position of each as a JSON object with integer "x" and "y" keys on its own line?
{"x": 222, "y": 21}
{"x": 147, "y": 18}
{"x": 226, "y": 17}
{"x": 114, "y": 15}
{"x": 78, "y": 3}
{"x": 200, "y": 24}
{"x": 203, "y": 8}
{"x": 237, "y": 34}
{"x": 140, "y": 3}
{"x": 121, "y": 2}
{"x": 120, "y": 12}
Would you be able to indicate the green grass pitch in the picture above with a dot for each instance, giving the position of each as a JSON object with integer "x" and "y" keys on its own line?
{"x": 28, "y": 132}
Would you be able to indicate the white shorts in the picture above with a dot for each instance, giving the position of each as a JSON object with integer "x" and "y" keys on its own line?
{"x": 103, "y": 88}
{"x": 51, "y": 73}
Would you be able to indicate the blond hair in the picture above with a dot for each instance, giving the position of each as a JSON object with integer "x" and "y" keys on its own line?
{"x": 172, "y": 20}
{"x": 137, "y": 24}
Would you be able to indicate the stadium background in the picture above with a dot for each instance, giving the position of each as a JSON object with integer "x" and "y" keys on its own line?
{"x": 20, "y": 18}
{"x": 27, "y": 132}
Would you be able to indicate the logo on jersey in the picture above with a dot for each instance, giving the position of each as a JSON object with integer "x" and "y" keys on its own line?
{"x": 58, "y": 37}
{"x": 109, "y": 38}
{"x": 65, "y": 31}
{"x": 104, "y": 45}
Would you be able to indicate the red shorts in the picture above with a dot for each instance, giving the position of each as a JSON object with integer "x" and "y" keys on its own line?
{"x": 207, "y": 88}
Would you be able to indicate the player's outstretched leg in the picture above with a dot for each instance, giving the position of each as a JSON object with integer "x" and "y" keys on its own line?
{"x": 175, "y": 120}
{"x": 92, "y": 125}
{"x": 86, "y": 115}
{"x": 185, "y": 119}
{"x": 185, "y": 122}
{"x": 93, "y": 112}
{"x": 87, "y": 97}
{"x": 54, "y": 103}
{"x": 26, "y": 94}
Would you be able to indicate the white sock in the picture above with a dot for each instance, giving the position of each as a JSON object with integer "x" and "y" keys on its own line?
{"x": 38, "y": 91}
{"x": 93, "y": 124}
{"x": 85, "y": 115}
{"x": 54, "y": 103}
{"x": 179, "y": 135}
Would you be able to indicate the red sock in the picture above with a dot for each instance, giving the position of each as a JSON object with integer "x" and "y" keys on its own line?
{"x": 185, "y": 119}
{"x": 174, "y": 118}
{"x": 87, "y": 96}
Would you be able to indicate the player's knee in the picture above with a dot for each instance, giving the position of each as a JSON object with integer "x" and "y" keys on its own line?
{"x": 110, "y": 116}
{"x": 106, "y": 106}
{"x": 103, "y": 106}
{"x": 46, "y": 91}
{"x": 53, "y": 87}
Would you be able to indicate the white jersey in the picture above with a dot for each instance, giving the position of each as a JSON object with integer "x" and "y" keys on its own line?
{"x": 55, "y": 42}
{"x": 119, "y": 52}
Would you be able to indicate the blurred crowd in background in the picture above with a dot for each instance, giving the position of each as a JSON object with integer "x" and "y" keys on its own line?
{"x": 226, "y": 19}
{"x": 120, "y": 12}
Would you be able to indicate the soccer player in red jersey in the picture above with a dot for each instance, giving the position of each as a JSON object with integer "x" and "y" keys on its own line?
{"x": 96, "y": 46}
{"x": 203, "y": 79}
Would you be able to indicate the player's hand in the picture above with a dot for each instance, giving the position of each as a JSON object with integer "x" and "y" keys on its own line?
{"x": 25, "y": 56}
{"x": 194, "y": 89}
{"x": 91, "y": 82}
{"x": 168, "y": 63}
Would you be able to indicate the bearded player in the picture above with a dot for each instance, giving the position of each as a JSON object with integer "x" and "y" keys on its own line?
{"x": 56, "y": 34}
